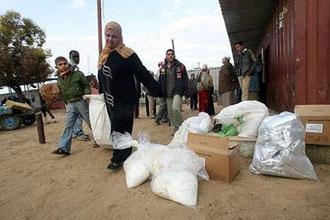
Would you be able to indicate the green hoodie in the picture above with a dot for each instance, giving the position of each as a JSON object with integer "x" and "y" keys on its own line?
{"x": 73, "y": 87}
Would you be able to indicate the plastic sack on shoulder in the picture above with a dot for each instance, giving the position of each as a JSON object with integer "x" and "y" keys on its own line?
{"x": 280, "y": 148}
{"x": 99, "y": 118}
{"x": 197, "y": 124}
{"x": 251, "y": 114}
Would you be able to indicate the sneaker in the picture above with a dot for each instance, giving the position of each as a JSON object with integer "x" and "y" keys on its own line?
{"x": 95, "y": 145}
{"x": 83, "y": 137}
{"x": 61, "y": 152}
{"x": 114, "y": 166}
{"x": 46, "y": 120}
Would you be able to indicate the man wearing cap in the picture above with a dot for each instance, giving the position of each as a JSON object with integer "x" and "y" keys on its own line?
{"x": 73, "y": 85}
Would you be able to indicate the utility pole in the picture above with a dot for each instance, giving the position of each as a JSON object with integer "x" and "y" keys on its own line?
{"x": 99, "y": 24}
{"x": 88, "y": 72}
{"x": 173, "y": 45}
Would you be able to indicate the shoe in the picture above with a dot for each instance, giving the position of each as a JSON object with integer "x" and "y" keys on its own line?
{"x": 54, "y": 121}
{"x": 114, "y": 166}
{"x": 157, "y": 122}
{"x": 166, "y": 120}
{"x": 83, "y": 137}
{"x": 95, "y": 145}
{"x": 61, "y": 152}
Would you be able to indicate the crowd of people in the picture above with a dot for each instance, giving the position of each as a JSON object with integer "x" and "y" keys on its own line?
{"x": 120, "y": 75}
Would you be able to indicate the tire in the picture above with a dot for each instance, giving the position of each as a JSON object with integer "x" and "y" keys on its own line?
{"x": 28, "y": 119}
{"x": 10, "y": 122}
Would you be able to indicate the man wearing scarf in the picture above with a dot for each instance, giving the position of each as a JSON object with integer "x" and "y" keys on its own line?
{"x": 73, "y": 85}
{"x": 118, "y": 66}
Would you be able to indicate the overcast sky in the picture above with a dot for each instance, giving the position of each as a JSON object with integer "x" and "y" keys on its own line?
{"x": 196, "y": 26}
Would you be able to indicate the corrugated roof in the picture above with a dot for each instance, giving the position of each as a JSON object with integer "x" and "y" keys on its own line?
{"x": 246, "y": 19}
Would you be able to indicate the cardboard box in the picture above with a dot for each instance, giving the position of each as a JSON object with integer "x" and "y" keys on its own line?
{"x": 221, "y": 155}
{"x": 316, "y": 120}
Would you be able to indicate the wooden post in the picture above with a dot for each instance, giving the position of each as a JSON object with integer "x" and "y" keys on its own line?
{"x": 40, "y": 127}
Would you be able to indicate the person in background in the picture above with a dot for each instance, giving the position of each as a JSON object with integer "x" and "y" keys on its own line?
{"x": 73, "y": 85}
{"x": 254, "y": 87}
{"x": 118, "y": 65}
{"x": 78, "y": 132}
{"x": 204, "y": 87}
{"x": 192, "y": 88}
{"x": 228, "y": 82}
{"x": 45, "y": 109}
{"x": 173, "y": 77}
{"x": 161, "y": 115}
{"x": 151, "y": 107}
{"x": 245, "y": 63}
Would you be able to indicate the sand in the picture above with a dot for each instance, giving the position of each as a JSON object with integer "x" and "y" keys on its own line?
{"x": 35, "y": 184}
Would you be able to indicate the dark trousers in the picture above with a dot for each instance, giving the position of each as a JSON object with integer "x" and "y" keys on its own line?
{"x": 193, "y": 101}
{"x": 136, "y": 109}
{"x": 122, "y": 117}
{"x": 46, "y": 109}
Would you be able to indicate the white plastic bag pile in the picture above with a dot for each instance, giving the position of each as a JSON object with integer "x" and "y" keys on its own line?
{"x": 280, "y": 148}
{"x": 252, "y": 113}
{"x": 174, "y": 172}
{"x": 100, "y": 121}
{"x": 197, "y": 124}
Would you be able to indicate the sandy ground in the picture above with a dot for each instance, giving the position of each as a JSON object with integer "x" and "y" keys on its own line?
{"x": 35, "y": 184}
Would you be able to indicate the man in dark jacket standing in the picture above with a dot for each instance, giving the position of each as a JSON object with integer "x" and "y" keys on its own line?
{"x": 245, "y": 63}
{"x": 73, "y": 85}
{"x": 192, "y": 87}
{"x": 173, "y": 77}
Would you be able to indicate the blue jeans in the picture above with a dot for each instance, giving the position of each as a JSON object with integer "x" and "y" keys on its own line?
{"x": 73, "y": 110}
{"x": 77, "y": 128}
{"x": 162, "y": 111}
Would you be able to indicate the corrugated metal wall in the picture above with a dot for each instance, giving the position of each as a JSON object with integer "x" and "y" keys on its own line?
{"x": 297, "y": 54}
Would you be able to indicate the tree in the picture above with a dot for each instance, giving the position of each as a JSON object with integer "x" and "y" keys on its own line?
{"x": 22, "y": 58}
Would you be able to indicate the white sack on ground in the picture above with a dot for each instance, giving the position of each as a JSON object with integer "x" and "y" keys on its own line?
{"x": 140, "y": 164}
{"x": 252, "y": 112}
{"x": 135, "y": 170}
{"x": 181, "y": 187}
{"x": 176, "y": 176}
{"x": 280, "y": 148}
{"x": 174, "y": 172}
{"x": 197, "y": 124}
{"x": 100, "y": 121}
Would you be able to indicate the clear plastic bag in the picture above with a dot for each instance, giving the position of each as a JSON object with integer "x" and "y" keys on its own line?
{"x": 197, "y": 124}
{"x": 122, "y": 141}
{"x": 280, "y": 148}
{"x": 251, "y": 112}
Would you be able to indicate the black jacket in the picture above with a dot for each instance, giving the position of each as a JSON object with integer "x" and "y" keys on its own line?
{"x": 181, "y": 78}
{"x": 117, "y": 81}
